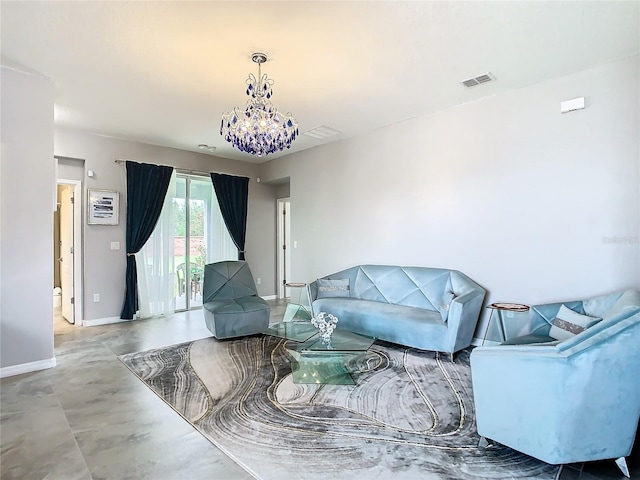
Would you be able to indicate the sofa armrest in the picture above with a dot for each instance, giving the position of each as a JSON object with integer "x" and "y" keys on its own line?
{"x": 525, "y": 351}
{"x": 517, "y": 389}
{"x": 464, "y": 312}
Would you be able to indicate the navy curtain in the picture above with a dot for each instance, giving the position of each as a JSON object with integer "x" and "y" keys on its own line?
{"x": 147, "y": 186}
{"x": 233, "y": 195}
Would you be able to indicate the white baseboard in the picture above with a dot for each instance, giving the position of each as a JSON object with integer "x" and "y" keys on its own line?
{"x": 27, "y": 367}
{"x": 102, "y": 321}
{"x": 270, "y": 297}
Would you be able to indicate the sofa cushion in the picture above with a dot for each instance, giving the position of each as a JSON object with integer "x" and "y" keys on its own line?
{"x": 409, "y": 286}
{"x": 394, "y": 323}
{"x": 597, "y": 306}
{"x": 627, "y": 302}
{"x": 569, "y": 323}
{"x": 622, "y": 309}
{"x": 238, "y": 305}
{"x": 333, "y": 288}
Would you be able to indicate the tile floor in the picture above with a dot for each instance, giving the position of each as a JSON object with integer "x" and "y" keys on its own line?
{"x": 90, "y": 418}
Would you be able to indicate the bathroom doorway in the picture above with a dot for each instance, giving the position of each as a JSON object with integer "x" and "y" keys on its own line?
{"x": 67, "y": 247}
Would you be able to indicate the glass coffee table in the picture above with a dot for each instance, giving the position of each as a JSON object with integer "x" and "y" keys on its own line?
{"x": 316, "y": 361}
{"x": 298, "y": 331}
{"x": 334, "y": 362}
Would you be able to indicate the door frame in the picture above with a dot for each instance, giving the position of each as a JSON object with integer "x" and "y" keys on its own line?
{"x": 283, "y": 255}
{"x": 77, "y": 248}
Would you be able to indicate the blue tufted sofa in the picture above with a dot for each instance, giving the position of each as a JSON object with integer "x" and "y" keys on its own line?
{"x": 567, "y": 401}
{"x": 426, "y": 308}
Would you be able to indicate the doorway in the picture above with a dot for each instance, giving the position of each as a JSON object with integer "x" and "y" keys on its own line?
{"x": 67, "y": 247}
{"x": 284, "y": 250}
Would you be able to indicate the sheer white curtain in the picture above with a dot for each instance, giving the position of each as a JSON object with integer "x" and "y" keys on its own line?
{"x": 156, "y": 263}
{"x": 219, "y": 243}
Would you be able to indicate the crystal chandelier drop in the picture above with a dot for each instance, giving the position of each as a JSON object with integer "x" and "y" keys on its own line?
{"x": 260, "y": 129}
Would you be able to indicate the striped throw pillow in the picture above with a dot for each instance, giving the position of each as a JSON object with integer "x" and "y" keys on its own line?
{"x": 568, "y": 324}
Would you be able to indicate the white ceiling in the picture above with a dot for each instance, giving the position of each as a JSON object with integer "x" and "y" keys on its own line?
{"x": 163, "y": 72}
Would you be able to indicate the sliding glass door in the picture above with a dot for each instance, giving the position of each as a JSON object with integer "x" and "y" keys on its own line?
{"x": 200, "y": 237}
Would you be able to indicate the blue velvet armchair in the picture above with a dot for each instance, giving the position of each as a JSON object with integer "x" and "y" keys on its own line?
{"x": 231, "y": 305}
{"x": 569, "y": 401}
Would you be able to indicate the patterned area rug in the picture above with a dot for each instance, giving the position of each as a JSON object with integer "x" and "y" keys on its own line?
{"x": 409, "y": 416}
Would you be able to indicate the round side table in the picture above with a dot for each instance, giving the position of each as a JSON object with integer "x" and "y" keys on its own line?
{"x": 502, "y": 309}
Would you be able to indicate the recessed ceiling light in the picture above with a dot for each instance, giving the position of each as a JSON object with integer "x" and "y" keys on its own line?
{"x": 204, "y": 146}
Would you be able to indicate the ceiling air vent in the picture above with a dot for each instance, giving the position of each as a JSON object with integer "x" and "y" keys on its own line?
{"x": 322, "y": 132}
{"x": 472, "y": 82}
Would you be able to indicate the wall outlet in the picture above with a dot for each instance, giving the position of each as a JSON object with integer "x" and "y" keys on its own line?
{"x": 96, "y": 297}
{"x": 258, "y": 281}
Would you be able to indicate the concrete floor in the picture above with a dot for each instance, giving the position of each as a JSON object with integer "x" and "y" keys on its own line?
{"x": 90, "y": 418}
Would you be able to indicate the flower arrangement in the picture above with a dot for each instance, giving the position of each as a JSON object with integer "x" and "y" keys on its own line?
{"x": 326, "y": 323}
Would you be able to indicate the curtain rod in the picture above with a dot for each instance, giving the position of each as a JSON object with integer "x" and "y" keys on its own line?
{"x": 183, "y": 170}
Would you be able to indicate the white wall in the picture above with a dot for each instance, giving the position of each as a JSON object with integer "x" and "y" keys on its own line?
{"x": 104, "y": 269}
{"x": 71, "y": 169}
{"x": 521, "y": 198}
{"x": 27, "y": 182}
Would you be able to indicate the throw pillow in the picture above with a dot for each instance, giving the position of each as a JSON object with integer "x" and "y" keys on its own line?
{"x": 568, "y": 324}
{"x": 333, "y": 288}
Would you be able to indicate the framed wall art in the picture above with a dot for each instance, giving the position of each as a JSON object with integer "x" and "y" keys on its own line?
{"x": 103, "y": 207}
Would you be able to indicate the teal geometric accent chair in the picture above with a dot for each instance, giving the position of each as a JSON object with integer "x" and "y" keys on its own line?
{"x": 572, "y": 400}
{"x": 231, "y": 305}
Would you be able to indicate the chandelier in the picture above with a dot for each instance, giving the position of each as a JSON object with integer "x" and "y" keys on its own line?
{"x": 260, "y": 129}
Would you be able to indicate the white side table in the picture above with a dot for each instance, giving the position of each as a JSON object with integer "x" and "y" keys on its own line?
{"x": 502, "y": 310}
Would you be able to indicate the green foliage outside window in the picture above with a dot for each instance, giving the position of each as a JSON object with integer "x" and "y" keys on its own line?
{"x": 196, "y": 217}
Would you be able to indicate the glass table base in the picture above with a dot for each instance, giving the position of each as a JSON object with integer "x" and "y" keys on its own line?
{"x": 324, "y": 369}
{"x": 333, "y": 362}
{"x": 295, "y": 312}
